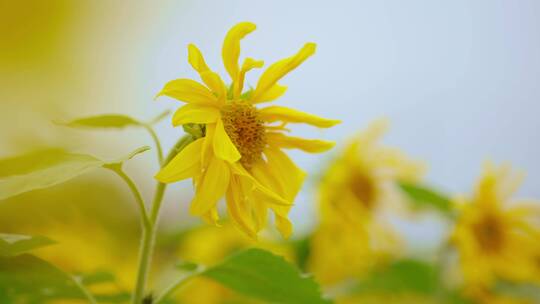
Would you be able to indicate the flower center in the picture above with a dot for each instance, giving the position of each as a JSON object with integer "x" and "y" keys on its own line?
{"x": 363, "y": 189}
{"x": 489, "y": 234}
{"x": 246, "y": 130}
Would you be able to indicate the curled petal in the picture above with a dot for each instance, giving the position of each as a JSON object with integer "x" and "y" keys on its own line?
{"x": 275, "y": 92}
{"x": 211, "y": 187}
{"x": 271, "y": 196}
{"x": 289, "y": 142}
{"x": 211, "y": 79}
{"x": 286, "y": 172}
{"x": 284, "y": 225}
{"x": 192, "y": 113}
{"x": 249, "y": 64}
{"x": 224, "y": 148}
{"x": 277, "y": 113}
{"x": 196, "y": 59}
{"x": 279, "y": 69}
{"x": 238, "y": 208}
{"x": 189, "y": 91}
{"x": 206, "y": 151}
{"x": 231, "y": 46}
{"x": 211, "y": 217}
{"x": 214, "y": 82}
{"x": 184, "y": 165}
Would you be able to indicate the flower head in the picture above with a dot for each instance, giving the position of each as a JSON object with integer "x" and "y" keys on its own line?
{"x": 241, "y": 154}
{"x": 495, "y": 236}
{"x": 356, "y": 189}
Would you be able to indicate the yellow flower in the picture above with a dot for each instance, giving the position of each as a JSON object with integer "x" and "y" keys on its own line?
{"x": 356, "y": 189}
{"x": 362, "y": 180}
{"x": 240, "y": 156}
{"x": 495, "y": 236}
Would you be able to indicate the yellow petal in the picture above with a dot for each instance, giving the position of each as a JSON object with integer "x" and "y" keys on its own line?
{"x": 211, "y": 188}
{"x": 277, "y": 113}
{"x": 238, "y": 209}
{"x": 249, "y": 64}
{"x": 206, "y": 151}
{"x": 193, "y": 113}
{"x": 262, "y": 172}
{"x": 284, "y": 226}
{"x": 286, "y": 172}
{"x": 260, "y": 212}
{"x": 290, "y": 142}
{"x": 275, "y": 92}
{"x": 196, "y": 59}
{"x": 231, "y": 46}
{"x": 189, "y": 91}
{"x": 211, "y": 217}
{"x": 223, "y": 146}
{"x": 270, "y": 195}
{"x": 211, "y": 79}
{"x": 214, "y": 82}
{"x": 184, "y": 165}
{"x": 279, "y": 69}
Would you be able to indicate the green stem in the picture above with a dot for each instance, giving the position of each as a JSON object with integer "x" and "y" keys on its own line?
{"x": 156, "y": 142}
{"x": 85, "y": 291}
{"x": 149, "y": 234}
{"x": 145, "y": 220}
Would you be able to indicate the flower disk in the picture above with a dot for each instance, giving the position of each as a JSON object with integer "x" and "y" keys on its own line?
{"x": 246, "y": 130}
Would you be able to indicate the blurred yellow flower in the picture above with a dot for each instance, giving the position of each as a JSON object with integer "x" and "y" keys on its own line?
{"x": 357, "y": 187}
{"x": 240, "y": 156}
{"x": 495, "y": 236}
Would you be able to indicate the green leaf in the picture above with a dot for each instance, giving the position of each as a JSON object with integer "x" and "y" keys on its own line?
{"x": 111, "y": 121}
{"x": 46, "y": 168}
{"x": 16, "y": 244}
{"x": 402, "y": 276}
{"x": 423, "y": 196}
{"x": 117, "y": 121}
{"x": 265, "y": 276}
{"x": 302, "y": 250}
{"x": 28, "y": 279}
{"x": 97, "y": 277}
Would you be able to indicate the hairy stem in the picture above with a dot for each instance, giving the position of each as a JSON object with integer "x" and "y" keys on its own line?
{"x": 149, "y": 234}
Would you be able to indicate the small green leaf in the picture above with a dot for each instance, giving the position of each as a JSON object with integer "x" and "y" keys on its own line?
{"x": 129, "y": 156}
{"x": 187, "y": 266}
{"x": 160, "y": 117}
{"x": 46, "y": 168}
{"x": 117, "y": 121}
{"x": 16, "y": 244}
{"x": 265, "y": 276}
{"x": 28, "y": 279}
{"x": 402, "y": 276}
{"x": 423, "y": 196}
